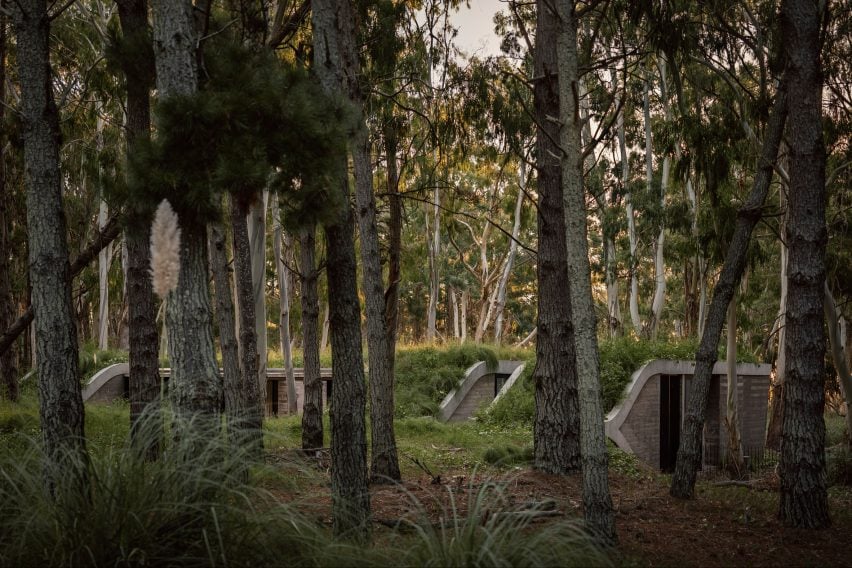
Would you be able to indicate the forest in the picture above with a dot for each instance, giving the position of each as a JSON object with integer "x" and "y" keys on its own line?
{"x": 297, "y": 229}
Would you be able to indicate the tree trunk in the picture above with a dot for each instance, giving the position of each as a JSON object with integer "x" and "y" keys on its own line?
{"x": 250, "y": 419}
{"x": 60, "y": 400}
{"x": 732, "y": 421}
{"x": 597, "y": 503}
{"x": 227, "y": 328}
{"x": 334, "y": 41}
{"x": 689, "y": 453}
{"x": 195, "y": 386}
{"x": 804, "y": 499}
{"x": 104, "y": 261}
{"x": 633, "y": 300}
{"x": 434, "y": 247}
{"x": 556, "y": 432}
{"x": 510, "y": 258}
{"x": 776, "y": 406}
{"x": 283, "y": 275}
{"x": 8, "y": 370}
{"x": 325, "y": 325}
{"x": 384, "y": 464}
{"x": 256, "y": 218}
{"x": 394, "y": 242}
{"x": 312, "y": 429}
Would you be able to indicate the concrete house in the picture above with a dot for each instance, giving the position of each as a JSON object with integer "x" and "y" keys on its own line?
{"x": 648, "y": 422}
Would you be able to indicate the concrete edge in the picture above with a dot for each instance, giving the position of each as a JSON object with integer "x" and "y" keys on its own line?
{"x": 103, "y": 377}
{"x": 516, "y": 373}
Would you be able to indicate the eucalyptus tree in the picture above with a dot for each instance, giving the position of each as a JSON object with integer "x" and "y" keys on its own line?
{"x": 60, "y": 400}
{"x": 804, "y": 498}
{"x": 334, "y": 65}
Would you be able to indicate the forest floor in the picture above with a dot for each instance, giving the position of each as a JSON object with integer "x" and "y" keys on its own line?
{"x": 726, "y": 525}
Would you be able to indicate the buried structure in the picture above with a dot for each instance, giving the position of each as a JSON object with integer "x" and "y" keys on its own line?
{"x": 648, "y": 422}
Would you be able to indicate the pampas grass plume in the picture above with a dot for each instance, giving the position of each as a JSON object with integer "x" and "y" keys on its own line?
{"x": 165, "y": 250}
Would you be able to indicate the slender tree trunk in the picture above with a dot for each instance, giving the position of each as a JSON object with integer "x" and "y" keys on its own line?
{"x": 326, "y": 323}
{"x": 394, "y": 242}
{"x": 8, "y": 370}
{"x": 384, "y": 464}
{"x": 434, "y": 246}
{"x": 250, "y": 419}
{"x": 732, "y": 421}
{"x": 256, "y": 218}
{"x": 104, "y": 261}
{"x": 227, "y": 328}
{"x": 510, "y": 258}
{"x": 597, "y": 503}
{"x": 195, "y": 386}
{"x": 804, "y": 499}
{"x": 284, "y": 288}
{"x": 633, "y": 300}
{"x": 312, "y": 429}
{"x": 776, "y": 406}
{"x": 334, "y": 40}
{"x": 689, "y": 453}
{"x": 556, "y": 433}
{"x": 465, "y": 300}
{"x": 60, "y": 400}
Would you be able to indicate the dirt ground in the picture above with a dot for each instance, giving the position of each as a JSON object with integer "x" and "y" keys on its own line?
{"x": 723, "y": 526}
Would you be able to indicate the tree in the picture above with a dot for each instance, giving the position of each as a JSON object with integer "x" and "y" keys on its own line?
{"x": 60, "y": 400}
{"x": 312, "y": 429}
{"x": 597, "y": 502}
{"x": 804, "y": 498}
{"x": 144, "y": 340}
{"x": 8, "y": 372}
{"x": 334, "y": 43}
{"x": 557, "y": 417}
{"x": 195, "y": 386}
{"x": 689, "y": 452}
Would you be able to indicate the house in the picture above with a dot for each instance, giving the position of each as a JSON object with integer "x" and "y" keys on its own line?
{"x": 648, "y": 422}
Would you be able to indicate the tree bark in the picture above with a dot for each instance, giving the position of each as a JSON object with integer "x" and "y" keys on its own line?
{"x": 804, "y": 498}
{"x": 256, "y": 216}
{"x": 597, "y": 502}
{"x": 836, "y": 341}
{"x": 312, "y": 428}
{"x": 689, "y": 453}
{"x": 8, "y": 370}
{"x": 503, "y": 284}
{"x": 394, "y": 241}
{"x": 557, "y": 418}
{"x": 250, "y": 419}
{"x": 732, "y": 421}
{"x": 282, "y": 273}
{"x": 334, "y": 43}
{"x": 60, "y": 400}
{"x": 776, "y": 406}
{"x": 227, "y": 327}
{"x": 195, "y": 386}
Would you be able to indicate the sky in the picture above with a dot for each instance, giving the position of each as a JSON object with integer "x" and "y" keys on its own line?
{"x": 476, "y": 27}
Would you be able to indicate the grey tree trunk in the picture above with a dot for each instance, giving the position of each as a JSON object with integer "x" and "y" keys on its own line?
{"x": 434, "y": 249}
{"x": 256, "y": 217}
{"x": 503, "y": 285}
{"x": 394, "y": 242}
{"x": 776, "y": 406}
{"x": 195, "y": 386}
{"x": 689, "y": 452}
{"x": 804, "y": 498}
{"x": 283, "y": 276}
{"x": 60, "y": 401}
{"x": 556, "y": 433}
{"x": 312, "y": 429}
{"x": 8, "y": 370}
{"x": 250, "y": 419}
{"x": 143, "y": 336}
{"x": 384, "y": 463}
{"x": 334, "y": 44}
{"x": 732, "y": 421}
{"x": 227, "y": 328}
{"x": 597, "y": 502}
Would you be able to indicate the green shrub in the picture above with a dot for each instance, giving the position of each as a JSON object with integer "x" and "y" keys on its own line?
{"x": 492, "y": 532}
{"x": 93, "y": 360}
{"x": 508, "y": 455}
{"x": 192, "y": 507}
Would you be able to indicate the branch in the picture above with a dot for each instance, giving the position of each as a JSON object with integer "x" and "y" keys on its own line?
{"x": 104, "y": 237}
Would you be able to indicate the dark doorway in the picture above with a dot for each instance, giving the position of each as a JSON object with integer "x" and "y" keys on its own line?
{"x": 670, "y": 389}
{"x": 274, "y": 398}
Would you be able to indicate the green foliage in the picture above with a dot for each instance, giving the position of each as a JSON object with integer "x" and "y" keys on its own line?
{"x": 93, "y": 359}
{"x": 192, "y": 507}
{"x": 493, "y": 532}
{"x": 424, "y": 375}
{"x": 508, "y": 455}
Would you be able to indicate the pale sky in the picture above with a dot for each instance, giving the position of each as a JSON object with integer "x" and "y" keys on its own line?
{"x": 476, "y": 27}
